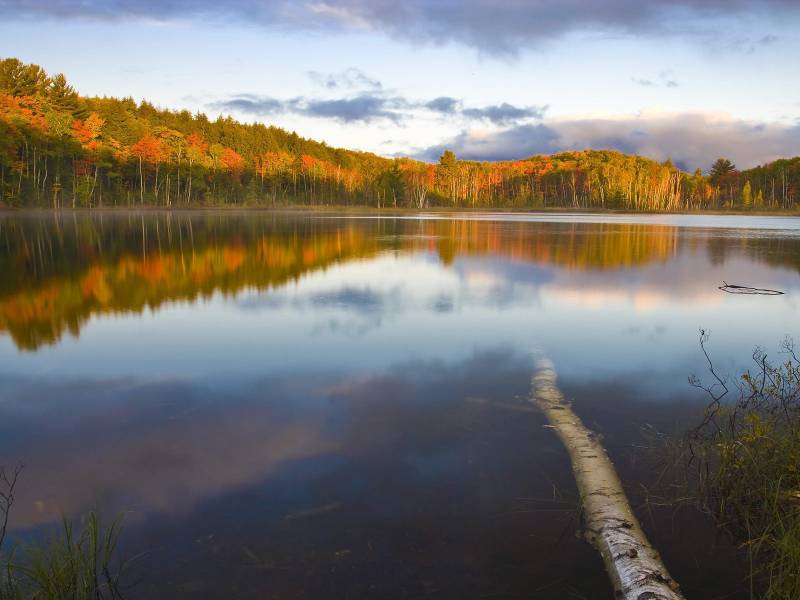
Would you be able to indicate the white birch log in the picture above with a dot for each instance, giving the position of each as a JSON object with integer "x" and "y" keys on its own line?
{"x": 633, "y": 564}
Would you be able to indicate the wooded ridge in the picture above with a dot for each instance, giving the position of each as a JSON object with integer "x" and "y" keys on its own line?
{"x": 59, "y": 149}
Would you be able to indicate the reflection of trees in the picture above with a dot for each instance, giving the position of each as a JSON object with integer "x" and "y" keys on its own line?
{"x": 59, "y": 271}
{"x": 566, "y": 245}
{"x": 192, "y": 259}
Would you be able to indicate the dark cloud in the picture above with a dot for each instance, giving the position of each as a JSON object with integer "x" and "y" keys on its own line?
{"x": 369, "y": 106}
{"x": 502, "y": 114}
{"x": 508, "y": 144}
{"x": 690, "y": 140}
{"x": 252, "y": 104}
{"x": 365, "y": 107}
{"x": 362, "y": 108}
{"x": 348, "y": 79}
{"x": 643, "y": 82}
{"x": 492, "y": 27}
{"x": 443, "y": 104}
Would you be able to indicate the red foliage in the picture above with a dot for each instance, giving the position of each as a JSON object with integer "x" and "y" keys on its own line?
{"x": 149, "y": 149}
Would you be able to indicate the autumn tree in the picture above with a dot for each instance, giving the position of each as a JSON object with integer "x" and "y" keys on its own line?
{"x": 148, "y": 151}
{"x": 747, "y": 196}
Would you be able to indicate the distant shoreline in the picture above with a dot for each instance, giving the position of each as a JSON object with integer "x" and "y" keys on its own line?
{"x": 6, "y": 210}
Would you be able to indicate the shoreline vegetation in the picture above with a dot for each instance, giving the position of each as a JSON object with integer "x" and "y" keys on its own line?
{"x": 62, "y": 150}
{"x": 739, "y": 465}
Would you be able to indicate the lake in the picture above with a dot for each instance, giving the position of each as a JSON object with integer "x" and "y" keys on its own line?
{"x": 334, "y": 405}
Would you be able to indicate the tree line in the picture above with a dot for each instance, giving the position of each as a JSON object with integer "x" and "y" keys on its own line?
{"x": 59, "y": 149}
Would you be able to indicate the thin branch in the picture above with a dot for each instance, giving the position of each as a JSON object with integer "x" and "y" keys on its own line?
{"x": 8, "y": 481}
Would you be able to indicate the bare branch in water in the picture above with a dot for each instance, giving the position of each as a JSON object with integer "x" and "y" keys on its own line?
{"x": 716, "y": 391}
{"x": 8, "y": 481}
{"x": 743, "y": 289}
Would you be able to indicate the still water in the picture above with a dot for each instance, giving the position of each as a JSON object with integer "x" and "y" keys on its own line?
{"x": 297, "y": 405}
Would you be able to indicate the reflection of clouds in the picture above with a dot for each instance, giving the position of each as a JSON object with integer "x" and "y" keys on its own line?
{"x": 340, "y": 301}
{"x": 354, "y": 299}
{"x": 261, "y": 301}
{"x": 164, "y": 447}
{"x": 641, "y": 300}
{"x": 361, "y": 300}
{"x": 161, "y": 447}
{"x": 498, "y": 283}
{"x": 685, "y": 281}
{"x": 444, "y": 303}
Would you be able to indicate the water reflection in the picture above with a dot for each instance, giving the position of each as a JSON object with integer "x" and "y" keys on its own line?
{"x": 59, "y": 272}
{"x": 335, "y": 407}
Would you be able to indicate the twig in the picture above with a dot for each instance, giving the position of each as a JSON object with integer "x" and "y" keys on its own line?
{"x": 8, "y": 481}
{"x": 743, "y": 289}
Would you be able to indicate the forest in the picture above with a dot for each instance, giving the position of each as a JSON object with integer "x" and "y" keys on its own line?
{"x": 59, "y": 149}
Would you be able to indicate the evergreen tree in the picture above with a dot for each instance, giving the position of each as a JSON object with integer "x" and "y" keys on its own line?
{"x": 720, "y": 168}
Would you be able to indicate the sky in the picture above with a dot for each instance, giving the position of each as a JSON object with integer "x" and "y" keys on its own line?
{"x": 678, "y": 79}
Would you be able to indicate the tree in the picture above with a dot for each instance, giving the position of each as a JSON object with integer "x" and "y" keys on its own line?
{"x": 720, "y": 168}
{"x": 19, "y": 79}
{"x": 88, "y": 130}
{"x": 62, "y": 96}
{"x": 446, "y": 173}
{"x": 148, "y": 150}
{"x": 747, "y": 196}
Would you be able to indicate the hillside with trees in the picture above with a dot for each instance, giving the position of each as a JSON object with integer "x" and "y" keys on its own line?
{"x": 62, "y": 150}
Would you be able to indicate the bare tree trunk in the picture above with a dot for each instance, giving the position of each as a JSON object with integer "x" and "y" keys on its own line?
{"x": 634, "y": 566}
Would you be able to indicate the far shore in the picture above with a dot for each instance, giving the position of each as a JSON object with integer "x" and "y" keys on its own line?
{"x": 355, "y": 209}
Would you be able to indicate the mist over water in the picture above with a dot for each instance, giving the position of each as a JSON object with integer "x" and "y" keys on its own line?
{"x": 335, "y": 405}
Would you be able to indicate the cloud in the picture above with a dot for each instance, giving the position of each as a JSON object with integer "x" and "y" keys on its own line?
{"x": 348, "y": 79}
{"x": 443, "y": 104}
{"x": 665, "y": 79}
{"x": 364, "y": 107}
{"x": 691, "y": 140}
{"x": 515, "y": 142}
{"x": 253, "y": 105}
{"x": 372, "y": 106}
{"x": 504, "y": 113}
{"x": 492, "y": 27}
{"x": 499, "y": 114}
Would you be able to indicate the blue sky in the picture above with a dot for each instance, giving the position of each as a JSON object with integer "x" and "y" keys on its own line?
{"x": 683, "y": 80}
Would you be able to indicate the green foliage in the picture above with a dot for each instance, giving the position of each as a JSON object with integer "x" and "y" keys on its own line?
{"x": 747, "y": 457}
{"x": 721, "y": 168}
{"x": 73, "y": 566}
{"x": 19, "y": 79}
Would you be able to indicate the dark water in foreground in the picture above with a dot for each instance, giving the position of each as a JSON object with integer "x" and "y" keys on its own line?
{"x": 303, "y": 406}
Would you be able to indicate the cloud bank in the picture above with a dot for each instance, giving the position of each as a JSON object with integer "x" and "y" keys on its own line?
{"x": 499, "y": 28}
{"x": 690, "y": 140}
{"x": 370, "y": 106}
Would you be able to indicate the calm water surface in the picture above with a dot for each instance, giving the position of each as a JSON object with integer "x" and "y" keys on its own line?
{"x": 305, "y": 406}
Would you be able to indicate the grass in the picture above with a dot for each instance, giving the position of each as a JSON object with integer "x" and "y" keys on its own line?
{"x": 745, "y": 460}
{"x": 74, "y": 565}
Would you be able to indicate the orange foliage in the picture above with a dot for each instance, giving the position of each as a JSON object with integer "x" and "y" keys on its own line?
{"x": 148, "y": 149}
{"x": 233, "y": 162}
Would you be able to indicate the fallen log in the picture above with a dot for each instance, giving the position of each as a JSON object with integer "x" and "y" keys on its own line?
{"x": 633, "y": 564}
